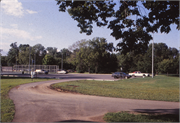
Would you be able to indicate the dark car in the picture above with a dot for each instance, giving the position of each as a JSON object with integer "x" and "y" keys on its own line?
{"x": 120, "y": 75}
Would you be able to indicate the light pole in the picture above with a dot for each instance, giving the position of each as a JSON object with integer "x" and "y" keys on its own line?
{"x": 62, "y": 61}
{"x": 15, "y": 45}
{"x": 153, "y": 56}
{"x": 29, "y": 58}
{"x": 0, "y": 59}
{"x": 35, "y": 59}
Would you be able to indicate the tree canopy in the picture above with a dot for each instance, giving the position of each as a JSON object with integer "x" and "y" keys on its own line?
{"x": 93, "y": 56}
{"x": 125, "y": 19}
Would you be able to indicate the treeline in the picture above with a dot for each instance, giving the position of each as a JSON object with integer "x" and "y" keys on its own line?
{"x": 166, "y": 60}
{"x": 95, "y": 56}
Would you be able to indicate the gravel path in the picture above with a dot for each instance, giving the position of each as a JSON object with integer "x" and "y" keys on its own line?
{"x": 36, "y": 102}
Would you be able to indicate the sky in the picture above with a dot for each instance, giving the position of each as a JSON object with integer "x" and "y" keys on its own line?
{"x": 40, "y": 22}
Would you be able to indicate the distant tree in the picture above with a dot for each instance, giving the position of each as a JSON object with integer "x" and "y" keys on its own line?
{"x": 12, "y": 56}
{"x": 125, "y": 62}
{"x": 52, "y": 51}
{"x": 39, "y": 53}
{"x": 24, "y": 56}
{"x": 63, "y": 54}
{"x": 101, "y": 54}
{"x": 93, "y": 56}
{"x": 165, "y": 66}
{"x": 48, "y": 60}
{"x": 4, "y": 60}
{"x": 22, "y": 47}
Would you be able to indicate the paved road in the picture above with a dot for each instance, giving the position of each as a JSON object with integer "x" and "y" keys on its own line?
{"x": 64, "y": 76}
{"x": 36, "y": 102}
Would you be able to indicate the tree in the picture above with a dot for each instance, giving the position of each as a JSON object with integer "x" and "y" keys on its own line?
{"x": 51, "y": 50}
{"x": 12, "y": 57}
{"x": 64, "y": 54}
{"x": 3, "y": 60}
{"x": 23, "y": 55}
{"x": 93, "y": 56}
{"x": 165, "y": 66}
{"x": 48, "y": 60}
{"x": 39, "y": 53}
{"x": 127, "y": 23}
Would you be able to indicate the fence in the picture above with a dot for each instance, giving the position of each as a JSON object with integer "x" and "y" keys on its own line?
{"x": 50, "y": 68}
{"x": 6, "y": 68}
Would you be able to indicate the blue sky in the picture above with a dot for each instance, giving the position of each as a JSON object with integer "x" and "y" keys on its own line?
{"x": 39, "y": 21}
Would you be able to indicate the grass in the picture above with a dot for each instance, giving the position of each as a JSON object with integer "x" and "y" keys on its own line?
{"x": 162, "y": 88}
{"x": 129, "y": 117}
{"x": 7, "y": 105}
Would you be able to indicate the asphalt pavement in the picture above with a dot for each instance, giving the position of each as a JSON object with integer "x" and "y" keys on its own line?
{"x": 62, "y": 76}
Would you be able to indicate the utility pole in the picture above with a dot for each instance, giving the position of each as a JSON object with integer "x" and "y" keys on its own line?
{"x": 0, "y": 59}
{"x": 62, "y": 61}
{"x": 153, "y": 56}
{"x": 29, "y": 58}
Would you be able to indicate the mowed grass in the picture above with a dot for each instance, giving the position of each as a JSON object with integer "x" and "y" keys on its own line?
{"x": 7, "y": 105}
{"x": 162, "y": 88}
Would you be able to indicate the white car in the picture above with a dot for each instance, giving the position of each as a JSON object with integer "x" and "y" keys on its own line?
{"x": 39, "y": 71}
{"x": 62, "y": 72}
{"x": 138, "y": 73}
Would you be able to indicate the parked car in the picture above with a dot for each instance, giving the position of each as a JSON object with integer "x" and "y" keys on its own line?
{"x": 120, "y": 75}
{"x": 40, "y": 71}
{"x": 62, "y": 71}
{"x": 138, "y": 73}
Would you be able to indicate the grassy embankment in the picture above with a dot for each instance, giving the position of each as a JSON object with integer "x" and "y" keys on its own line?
{"x": 7, "y": 105}
{"x": 162, "y": 88}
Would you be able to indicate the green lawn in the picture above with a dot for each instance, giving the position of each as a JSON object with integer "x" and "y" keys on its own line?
{"x": 162, "y": 88}
{"x": 7, "y": 105}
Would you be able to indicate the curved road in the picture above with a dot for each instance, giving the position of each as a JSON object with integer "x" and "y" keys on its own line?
{"x": 36, "y": 102}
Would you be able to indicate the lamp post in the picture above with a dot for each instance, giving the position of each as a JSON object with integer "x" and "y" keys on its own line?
{"x": 35, "y": 59}
{"x": 62, "y": 61}
{"x": 153, "y": 56}
{"x": 29, "y": 58}
{"x": 0, "y": 58}
{"x": 15, "y": 45}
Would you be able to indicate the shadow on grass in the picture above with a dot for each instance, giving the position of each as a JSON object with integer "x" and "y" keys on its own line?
{"x": 154, "y": 111}
{"x": 161, "y": 114}
{"x": 72, "y": 121}
{"x": 173, "y": 75}
{"x": 6, "y": 77}
{"x": 125, "y": 116}
{"x": 165, "y": 117}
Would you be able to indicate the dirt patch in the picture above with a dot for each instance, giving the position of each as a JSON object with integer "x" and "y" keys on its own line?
{"x": 17, "y": 87}
{"x": 34, "y": 87}
{"x": 97, "y": 118}
{"x": 64, "y": 91}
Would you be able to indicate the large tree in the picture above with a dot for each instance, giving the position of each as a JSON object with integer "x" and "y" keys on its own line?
{"x": 93, "y": 56}
{"x": 128, "y": 20}
{"x": 39, "y": 53}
